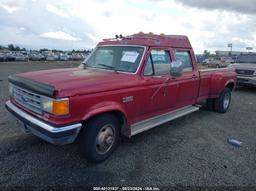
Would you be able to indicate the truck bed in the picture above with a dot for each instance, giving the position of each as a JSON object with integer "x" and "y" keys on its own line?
{"x": 213, "y": 80}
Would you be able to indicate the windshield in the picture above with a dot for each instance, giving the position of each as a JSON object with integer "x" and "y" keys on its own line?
{"x": 247, "y": 59}
{"x": 118, "y": 58}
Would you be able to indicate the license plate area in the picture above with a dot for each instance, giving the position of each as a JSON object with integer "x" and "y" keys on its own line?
{"x": 22, "y": 125}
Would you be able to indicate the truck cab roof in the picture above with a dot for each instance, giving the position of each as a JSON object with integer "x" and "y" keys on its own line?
{"x": 150, "y": 39}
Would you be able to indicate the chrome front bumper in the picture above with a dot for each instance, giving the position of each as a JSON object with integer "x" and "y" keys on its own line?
{"x": 244, "y": 80}
{"x": 52, "y": 134}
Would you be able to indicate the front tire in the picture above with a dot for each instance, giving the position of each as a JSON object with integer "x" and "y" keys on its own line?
{"x": 99, "y": 137}
{"x": 222, "y": 103}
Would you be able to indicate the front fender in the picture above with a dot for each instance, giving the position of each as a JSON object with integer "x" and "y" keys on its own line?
{"x": 103, "y": 107}
{"x": 231, "y": 81}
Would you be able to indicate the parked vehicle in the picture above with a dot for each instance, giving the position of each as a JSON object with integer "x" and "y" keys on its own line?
{"x": 217, "y": 63}
{"x": 246, "y": 70}
{"x": 228, "y": 60}
{"x": 64, "y": 57}
{"x": 35, "y": 56}
{"x": 20, "y": 57}
{"x": 124, "y": 87}
{"x": 200, "y": 59}
{"x": 10, "y": 56}
{"x": 2, "y": 57}
{"x": 76, "y": 57}
{"x": 52, "y": 57}
{"x": 207, "y": 61}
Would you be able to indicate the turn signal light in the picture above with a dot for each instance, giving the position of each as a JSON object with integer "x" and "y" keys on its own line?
{"x": 60, "y": 107}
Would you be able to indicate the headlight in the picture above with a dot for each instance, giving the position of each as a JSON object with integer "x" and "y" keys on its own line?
{"x": 10, "y": 89}
{"x": 55, "y": 106}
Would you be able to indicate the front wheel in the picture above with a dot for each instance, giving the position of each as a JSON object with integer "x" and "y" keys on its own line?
{"x": 222, "y": 103}
{"x": 99, "y": 137}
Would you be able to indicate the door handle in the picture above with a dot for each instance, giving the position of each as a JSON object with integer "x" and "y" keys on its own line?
{"x": 194, "y": 76}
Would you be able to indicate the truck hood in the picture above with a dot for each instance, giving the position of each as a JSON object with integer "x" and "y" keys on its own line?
{"x": 244, "y": 66}
{"x": 76, "y": 81}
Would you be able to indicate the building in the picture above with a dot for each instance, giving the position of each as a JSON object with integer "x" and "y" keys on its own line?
{"x": 231, "y": 53}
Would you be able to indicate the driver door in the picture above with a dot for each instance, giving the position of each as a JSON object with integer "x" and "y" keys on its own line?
{"x": 160, "y": 93}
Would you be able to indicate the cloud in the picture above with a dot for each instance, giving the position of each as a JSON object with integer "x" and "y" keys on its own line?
{"x": 242, "y": 6}
{"x": 9, "y": 8}
{"x": 94, "y": 38}
{"x": 59, "y": 35}
{"x": 64, "y": 24}
{"x": 56, "y": 10}
{"x": 32, "y": 19}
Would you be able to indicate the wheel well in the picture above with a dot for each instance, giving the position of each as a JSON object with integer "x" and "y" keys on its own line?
{"x": 230, "y": 86}
{"x": 121, "y": 118}
{"x": 119, "y": 115}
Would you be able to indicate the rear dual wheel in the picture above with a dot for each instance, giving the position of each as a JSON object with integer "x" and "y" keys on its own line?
{"x": 220, "y": 104}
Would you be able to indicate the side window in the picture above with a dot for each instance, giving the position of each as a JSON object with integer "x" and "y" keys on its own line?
{"x": 185, "y": 58}
{"x": 158, "y": 63}
{"x": 149, "y": 71}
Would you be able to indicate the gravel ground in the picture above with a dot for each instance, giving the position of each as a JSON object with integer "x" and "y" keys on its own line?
{"x": 189, "y": 152}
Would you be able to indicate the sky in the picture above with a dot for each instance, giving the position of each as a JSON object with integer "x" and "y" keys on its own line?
{"x": 80, "y": 24}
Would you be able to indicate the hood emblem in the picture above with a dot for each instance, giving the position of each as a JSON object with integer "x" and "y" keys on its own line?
{"x": 24, "y": 99}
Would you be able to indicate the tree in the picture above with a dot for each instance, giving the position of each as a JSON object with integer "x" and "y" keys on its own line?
{"x": 43, "y": 49}
{"x": 2, "y": 47}
{"x": 207, "y": 53}
{"x": 11, "y": 47}
{"x": 17, "y": 48}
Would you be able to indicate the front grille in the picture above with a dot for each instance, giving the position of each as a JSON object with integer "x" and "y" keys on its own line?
{"x": 244, "y": 72}
{"x": 27, "y": 99}
{"x": 242, "y": 80}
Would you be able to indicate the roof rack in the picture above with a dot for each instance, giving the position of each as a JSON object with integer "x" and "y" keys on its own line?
{"x": 149, "y": 38}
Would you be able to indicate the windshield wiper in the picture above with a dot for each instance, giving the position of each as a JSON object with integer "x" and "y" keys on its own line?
{"x": 110, "y": 67}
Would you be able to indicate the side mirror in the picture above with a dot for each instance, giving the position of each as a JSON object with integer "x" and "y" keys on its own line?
{"x": 176, "y": 69}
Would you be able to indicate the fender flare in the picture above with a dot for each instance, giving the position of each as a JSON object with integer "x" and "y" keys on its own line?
{"x": 103, "y": 107}
{"x": 231, "y": 81}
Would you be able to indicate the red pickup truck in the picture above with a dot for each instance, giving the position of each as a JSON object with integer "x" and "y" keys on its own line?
{"x": 126, "y": 86}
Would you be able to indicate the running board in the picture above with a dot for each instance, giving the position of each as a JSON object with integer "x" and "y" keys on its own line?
{"x": 158, "y": 120}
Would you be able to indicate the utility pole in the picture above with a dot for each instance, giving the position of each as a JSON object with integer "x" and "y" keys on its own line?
{"x": 230, "y": 45}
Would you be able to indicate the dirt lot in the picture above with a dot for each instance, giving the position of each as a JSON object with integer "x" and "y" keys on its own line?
{"x": 190, "y": 151}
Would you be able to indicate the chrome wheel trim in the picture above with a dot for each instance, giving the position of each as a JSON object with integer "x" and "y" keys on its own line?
{"x": 105, "y": 139}
{"x": 226, "y": 101}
